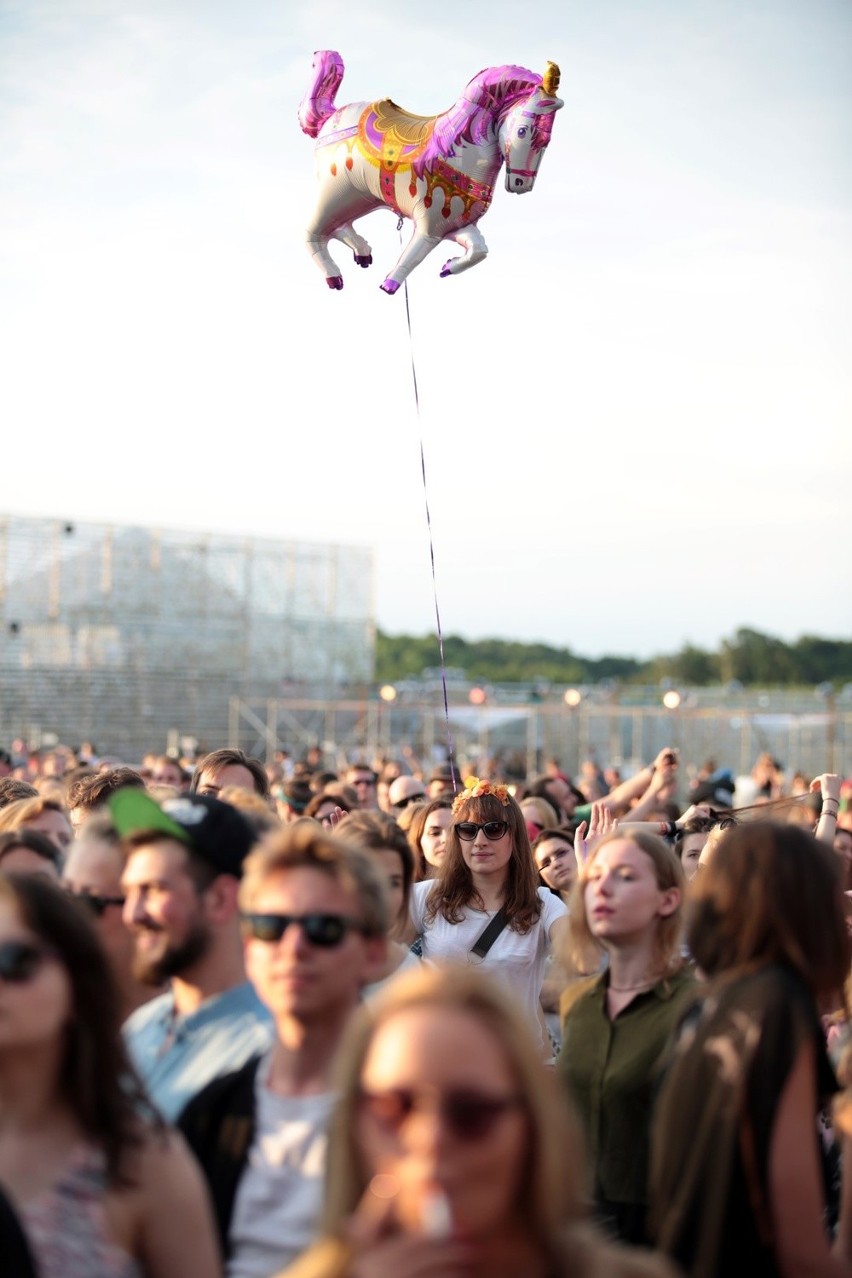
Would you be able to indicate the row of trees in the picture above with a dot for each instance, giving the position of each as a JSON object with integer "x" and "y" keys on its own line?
{"x": 748, "y": 657}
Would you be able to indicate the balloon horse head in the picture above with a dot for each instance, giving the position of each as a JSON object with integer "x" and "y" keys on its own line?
{"x": 439, "y": 171}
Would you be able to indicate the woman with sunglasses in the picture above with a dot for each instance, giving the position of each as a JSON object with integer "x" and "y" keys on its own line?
{"x": 451, "y": 1152}
{"x": 486, "y": 905}
{"x": 539, "y": 815}
{"x": 626, "y": 910}
{"x": 101, "y": 1188}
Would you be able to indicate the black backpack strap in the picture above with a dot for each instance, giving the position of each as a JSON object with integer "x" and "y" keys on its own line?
{"x": 489, "y": 935}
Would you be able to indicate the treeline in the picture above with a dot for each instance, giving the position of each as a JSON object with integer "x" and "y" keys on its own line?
{"x": 749, "y": 657}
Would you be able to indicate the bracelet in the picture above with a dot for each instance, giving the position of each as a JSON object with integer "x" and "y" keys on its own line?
{"x": 836, "y": 810}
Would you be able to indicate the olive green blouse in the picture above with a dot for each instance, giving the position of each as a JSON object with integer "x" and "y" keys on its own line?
{"x": 611, "y": 1069}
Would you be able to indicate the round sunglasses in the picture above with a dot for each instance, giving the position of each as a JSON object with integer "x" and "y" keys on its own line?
{"x": 469, "y": 1115}
{"x": 323, "y": 930}
{"x": 468, "y": 830}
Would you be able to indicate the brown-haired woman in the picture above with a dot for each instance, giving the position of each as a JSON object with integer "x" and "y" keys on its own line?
{"x": 427, "y": 837}
{"x": 736, "y": 1181}
{"x": 451, "y": 1152}
{"x": 101, "y": 1188}
{"x": 616, "y": 1025}
{"x": 488, "y": 878}
{"x": 380, "y": 837}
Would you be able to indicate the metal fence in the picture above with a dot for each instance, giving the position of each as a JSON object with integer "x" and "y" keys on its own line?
{"x": 522, "y": 737}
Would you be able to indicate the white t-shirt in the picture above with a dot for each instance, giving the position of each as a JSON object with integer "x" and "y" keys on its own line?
{"x": 279, "y": 1195}
{"x": 516, "y": 959}
{"x": 408, "y": 963}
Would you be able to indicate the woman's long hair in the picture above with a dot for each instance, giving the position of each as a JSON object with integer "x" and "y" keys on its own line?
{"x": 771, "y": 893}
{"x": 96, "y": 1078}
{"x": 551, "y": 1179}
{"x": 454, "y": 889}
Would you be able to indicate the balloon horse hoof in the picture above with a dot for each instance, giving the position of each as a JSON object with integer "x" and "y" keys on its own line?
{"x": 438, "y": 171}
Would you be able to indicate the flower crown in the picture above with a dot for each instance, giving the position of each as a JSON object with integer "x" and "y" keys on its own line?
{"x": 474, "y": 788}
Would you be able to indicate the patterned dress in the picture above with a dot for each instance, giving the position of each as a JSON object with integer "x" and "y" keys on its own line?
{"x": 67, "y": 1228}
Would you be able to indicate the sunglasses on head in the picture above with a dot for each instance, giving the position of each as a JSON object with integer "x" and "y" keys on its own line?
{"x": 469, "y": 1115}
{"x": 410, "y": 798}
{"x": 94, "y": 902}
{"x": 20, "y": 960}
{"x": 468, "y": 830}
{"x": 324, "y": 930}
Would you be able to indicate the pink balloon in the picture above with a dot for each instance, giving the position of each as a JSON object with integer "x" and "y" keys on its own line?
{"x": 439, "y": 171}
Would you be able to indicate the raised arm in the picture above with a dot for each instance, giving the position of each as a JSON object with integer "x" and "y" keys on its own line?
{"x": 618, "y": 799}
{"x": 829, "y": 788}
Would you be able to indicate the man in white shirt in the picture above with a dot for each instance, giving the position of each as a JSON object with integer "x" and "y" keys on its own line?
{"x": 315, "y": 920}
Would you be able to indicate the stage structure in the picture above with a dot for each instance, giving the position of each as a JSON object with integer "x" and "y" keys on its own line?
{"x": 132, "y": 636}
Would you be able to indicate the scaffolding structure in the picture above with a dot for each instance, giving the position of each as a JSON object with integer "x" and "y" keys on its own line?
{"x": 123, "y": 633}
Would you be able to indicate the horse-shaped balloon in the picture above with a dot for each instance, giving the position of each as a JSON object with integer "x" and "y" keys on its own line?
{"x": 437, "y": 170}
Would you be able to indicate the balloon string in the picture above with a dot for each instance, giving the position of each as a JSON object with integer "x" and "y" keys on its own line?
{"x": 450, "y": 746}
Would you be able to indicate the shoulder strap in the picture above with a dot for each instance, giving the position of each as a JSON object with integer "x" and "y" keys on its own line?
{"x": 489, "y": 934}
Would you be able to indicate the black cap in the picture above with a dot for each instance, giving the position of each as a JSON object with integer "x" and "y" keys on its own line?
{"x": 213, "y": 830}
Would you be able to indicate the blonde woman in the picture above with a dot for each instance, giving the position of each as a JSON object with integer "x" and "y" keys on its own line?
{"x": 451, "y": 1152}
{"x": 47, "y": 816}
{"x": 626, "y": 910}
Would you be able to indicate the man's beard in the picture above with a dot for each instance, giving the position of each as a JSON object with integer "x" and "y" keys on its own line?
{"x": 174, "y": 959}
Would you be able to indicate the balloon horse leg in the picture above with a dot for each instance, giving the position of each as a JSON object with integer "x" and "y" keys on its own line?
{"x": 475, "y": 249}
{"x": 419, "y": 247}
{"x": 317, "y": 238}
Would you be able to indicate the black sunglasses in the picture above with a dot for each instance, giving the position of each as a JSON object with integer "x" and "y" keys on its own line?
{"x": 94, "y": 902}
{"x": 324, "y": 930}
{"x": 19, "y": 961}
{"x": 468, "y": 830}
{"x": 469, "y": 1115}
{"x": 410, "y": 798}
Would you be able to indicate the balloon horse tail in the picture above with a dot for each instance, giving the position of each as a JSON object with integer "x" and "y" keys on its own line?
{"x": 318, "y": 103}
{"x": 315, "y": 109}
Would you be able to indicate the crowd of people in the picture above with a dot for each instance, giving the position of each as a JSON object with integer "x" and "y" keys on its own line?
{"x": 383, "y": 1021}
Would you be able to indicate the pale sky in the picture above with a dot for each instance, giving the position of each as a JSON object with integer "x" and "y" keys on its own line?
{"x": 635, "y": 413}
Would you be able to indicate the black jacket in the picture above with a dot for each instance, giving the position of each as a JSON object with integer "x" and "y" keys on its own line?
{"x": 219, "y": 1125}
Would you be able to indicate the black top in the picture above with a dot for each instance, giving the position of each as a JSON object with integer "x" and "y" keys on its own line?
{"x": 714, "y": 1119}
{"x": 219, "y": 1126}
